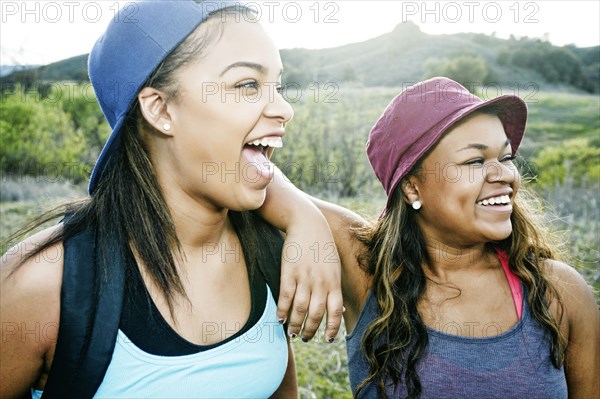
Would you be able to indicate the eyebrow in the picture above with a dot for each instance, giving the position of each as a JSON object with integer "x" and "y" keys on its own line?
{"x": 245, "y": 64}
{"x": 481, "y": 147}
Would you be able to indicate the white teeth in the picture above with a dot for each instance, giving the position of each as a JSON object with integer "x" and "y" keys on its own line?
{"x": 502, "y": 199}
{"x": 274, "y": 142}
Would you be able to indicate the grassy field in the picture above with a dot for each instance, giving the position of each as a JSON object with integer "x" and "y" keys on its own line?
{"x": 555, "y": 117}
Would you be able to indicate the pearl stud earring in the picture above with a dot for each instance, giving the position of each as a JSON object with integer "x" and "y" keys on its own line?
{"x": 167, "y": 127}
{"x": 417, "y": 205}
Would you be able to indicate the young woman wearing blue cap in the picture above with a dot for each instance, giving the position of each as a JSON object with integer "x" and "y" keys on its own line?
{"x": 162, "y": 284}
{"x": 455, "y": 292}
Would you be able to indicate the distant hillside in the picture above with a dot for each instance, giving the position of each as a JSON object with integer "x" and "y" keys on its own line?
{"x": 71, "y": 69}
{"x": 407, "y": 55}
{"x": 8, "y": 69}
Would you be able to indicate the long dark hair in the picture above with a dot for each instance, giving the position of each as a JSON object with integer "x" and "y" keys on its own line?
{"x": 395, "y": 341}
{"x": 128, "y": 204}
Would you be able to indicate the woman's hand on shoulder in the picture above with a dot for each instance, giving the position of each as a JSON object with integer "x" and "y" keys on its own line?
{"x": 355, "y": 281}
{"x": 582, "y": 360}
{"x": 317, "y": 236}
{"x": 311, "y": 278}
{"x": 310, "y": 265}
{"x": 29, "y": 313}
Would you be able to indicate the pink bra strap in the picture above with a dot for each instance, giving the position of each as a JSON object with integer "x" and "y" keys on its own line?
{"x": 513, "y": 282}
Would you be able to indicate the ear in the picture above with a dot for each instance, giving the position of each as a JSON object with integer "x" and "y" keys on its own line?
{"x": 410, "y": 190}
{"x": 153, "y": 105}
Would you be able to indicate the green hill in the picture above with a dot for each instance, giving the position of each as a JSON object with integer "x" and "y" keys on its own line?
{"x": 71, "y": 69}
{"x": 407, "y": 55}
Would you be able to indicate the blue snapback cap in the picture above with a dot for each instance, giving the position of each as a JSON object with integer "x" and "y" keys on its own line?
{"x": 135, "y": 43}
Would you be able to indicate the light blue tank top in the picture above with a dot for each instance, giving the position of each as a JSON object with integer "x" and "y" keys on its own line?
{"x": 250, "y": 366}
{"x": 514, "y": 364}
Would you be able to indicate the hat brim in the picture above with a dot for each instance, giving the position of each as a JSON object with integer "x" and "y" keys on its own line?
{"x": 108, "y": 151}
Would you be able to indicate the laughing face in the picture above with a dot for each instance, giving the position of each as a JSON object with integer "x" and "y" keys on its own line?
{"x": 467, "y": 184}
{"x": 226, "y": 120}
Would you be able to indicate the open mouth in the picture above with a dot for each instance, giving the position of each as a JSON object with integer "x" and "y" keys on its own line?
{"x": 267, "y": 145}
{"x": 495, "y": 201}
{"x": 257, "y": 154}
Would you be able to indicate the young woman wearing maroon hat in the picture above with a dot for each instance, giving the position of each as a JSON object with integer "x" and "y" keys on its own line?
{"x": 456, "y": 290}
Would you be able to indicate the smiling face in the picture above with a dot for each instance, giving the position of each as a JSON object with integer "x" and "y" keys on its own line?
{"x": 466, "y": 184}
{"x": 225, "y": 120}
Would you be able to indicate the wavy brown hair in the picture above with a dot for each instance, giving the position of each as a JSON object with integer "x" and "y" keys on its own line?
{"x": 396, "y": 253}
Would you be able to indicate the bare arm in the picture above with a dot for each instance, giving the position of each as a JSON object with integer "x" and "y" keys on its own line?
{"x": 310, "y": 267}
{"x": 289, "y": 385}
{"x": 29, "y": 316}
{"x": 310, "y": 217}
{"x": 355, "y": 281}
{"x": 582, "y": 360}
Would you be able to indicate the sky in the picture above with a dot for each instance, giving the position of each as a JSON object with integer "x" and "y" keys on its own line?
{"x": 42, "y": 32}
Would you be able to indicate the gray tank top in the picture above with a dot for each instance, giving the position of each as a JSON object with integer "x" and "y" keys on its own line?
{"x": 513, "y": 364}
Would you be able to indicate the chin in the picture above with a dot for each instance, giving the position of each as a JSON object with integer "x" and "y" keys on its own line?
{"x": 500, "y": 234}
{"x": 251, "y": 201}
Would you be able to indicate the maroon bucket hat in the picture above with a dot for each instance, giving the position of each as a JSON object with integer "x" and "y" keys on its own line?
{"x": 415, "y": 120}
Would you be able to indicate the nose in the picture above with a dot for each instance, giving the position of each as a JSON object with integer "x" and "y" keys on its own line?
{"x": 501, "y": 172}
{"x": 279, "y": 108}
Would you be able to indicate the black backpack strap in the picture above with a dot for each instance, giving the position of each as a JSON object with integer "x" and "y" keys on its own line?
{"x": 91, "y": 302}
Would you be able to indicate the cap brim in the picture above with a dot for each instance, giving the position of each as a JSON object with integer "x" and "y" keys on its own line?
{"x": 104, "y": 159}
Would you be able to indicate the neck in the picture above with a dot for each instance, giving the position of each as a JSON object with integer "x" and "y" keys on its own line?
{"x": 197, "y": 229}
{"x": 449, "y": 260}
{"x": 197, "y": 223}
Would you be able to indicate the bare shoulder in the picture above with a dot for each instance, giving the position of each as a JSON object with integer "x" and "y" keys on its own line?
{"x": 31, "y": 287}
{"x": 582, "y": 357}
{"x": 343, "y": 223}
{"x": 30, "y": 312}
{"x": 579, "y": 305}
{"x": 43, "y": 270}
{"x": 571, "y": 286}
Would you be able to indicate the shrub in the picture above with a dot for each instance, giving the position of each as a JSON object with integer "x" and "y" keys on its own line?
{"x": 574, "y": 163}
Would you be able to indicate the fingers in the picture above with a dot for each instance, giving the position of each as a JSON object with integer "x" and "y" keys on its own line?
{"x": 308, "y": 312}
{"x": 286, "y": 298}
{"x": 310, "y": 288}
{"x": 298, "y": 313}
{"x": 316, "y": 311}
{"x": 335, "y": 310}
